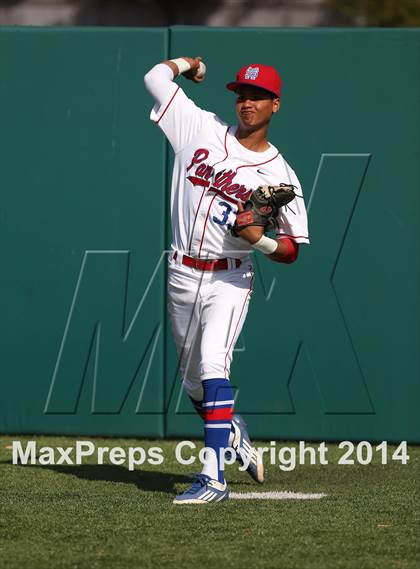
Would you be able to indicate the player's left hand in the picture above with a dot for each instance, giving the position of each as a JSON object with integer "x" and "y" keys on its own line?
{"x": 253, "y": 233}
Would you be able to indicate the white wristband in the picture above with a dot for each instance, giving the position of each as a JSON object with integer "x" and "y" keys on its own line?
{"x": 266, "y": 245}
{"x": 182, "y": 64}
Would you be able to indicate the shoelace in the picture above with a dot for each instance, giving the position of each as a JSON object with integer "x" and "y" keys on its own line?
{"x": 200, "y": 481}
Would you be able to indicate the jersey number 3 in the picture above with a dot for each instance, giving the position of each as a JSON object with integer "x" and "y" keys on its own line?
{"x": 225, "y": 214}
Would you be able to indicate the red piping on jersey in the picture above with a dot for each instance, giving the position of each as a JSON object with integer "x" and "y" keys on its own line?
{"x": 166, "y": 108}
{"x": 226, "y": 150}
{"x": 195, "y": 219}
{"x": 205, "y": 225}
{"x": 237, "y": 324}
{"x": 199, "y": 204}
{"x": 225, "y": 143}
{"x": 224, "y": 196}
{"x": 260, "y": 164}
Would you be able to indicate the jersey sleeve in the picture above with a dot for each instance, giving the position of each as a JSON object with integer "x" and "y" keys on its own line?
{"x": 292, "y": 219}
{"x": 180, "y": 118}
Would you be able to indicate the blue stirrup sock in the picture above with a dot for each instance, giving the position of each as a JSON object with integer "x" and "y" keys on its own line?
{"x": 217, "y": 405}
{"x": 198, "y": 406}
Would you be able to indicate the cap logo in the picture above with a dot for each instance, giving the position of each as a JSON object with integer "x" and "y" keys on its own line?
{"x": 252, "y": 73}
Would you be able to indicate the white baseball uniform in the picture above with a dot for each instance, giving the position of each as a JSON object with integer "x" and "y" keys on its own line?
{"x": 212, "y": 171}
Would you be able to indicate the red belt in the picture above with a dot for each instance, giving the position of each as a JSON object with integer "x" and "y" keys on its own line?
{"x": 206, "y": 264}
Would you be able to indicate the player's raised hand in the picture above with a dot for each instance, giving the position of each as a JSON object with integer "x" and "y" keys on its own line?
{"x": 191, "y": 68}
{"x": 197, "y": 72}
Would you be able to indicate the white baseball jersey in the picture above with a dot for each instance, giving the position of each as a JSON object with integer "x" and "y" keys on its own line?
{"x": 212, "y": 171}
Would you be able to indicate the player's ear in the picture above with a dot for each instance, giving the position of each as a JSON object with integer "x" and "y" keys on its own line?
{"x": 276, "y": 105}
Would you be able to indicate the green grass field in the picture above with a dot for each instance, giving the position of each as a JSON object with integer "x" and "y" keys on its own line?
{"x": 94, "y": 515}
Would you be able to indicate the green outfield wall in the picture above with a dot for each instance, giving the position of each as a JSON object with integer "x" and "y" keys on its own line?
{"x": 330, "y": 349}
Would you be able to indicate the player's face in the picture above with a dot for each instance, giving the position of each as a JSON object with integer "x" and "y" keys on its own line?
{"x": 254, "y": 107}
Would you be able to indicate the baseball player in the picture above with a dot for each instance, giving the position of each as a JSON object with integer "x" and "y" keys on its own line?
{"x": 225, "y": 183}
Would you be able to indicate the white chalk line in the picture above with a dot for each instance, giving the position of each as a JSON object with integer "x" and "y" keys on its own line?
{"x": 286, "y": 495}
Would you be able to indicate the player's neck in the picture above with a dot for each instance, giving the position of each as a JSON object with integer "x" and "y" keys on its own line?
{"x": 253, "y": 140}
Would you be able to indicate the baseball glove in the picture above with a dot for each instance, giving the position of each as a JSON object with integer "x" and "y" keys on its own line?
{"x": 263, "y": 207}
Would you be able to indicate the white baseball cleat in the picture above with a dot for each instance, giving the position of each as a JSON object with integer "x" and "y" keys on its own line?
{"x": 242, "y": 445}
{"x": 204, "y": 490}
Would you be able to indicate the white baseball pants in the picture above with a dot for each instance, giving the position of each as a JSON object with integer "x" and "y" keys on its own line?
{"x": 208, "y": 310}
